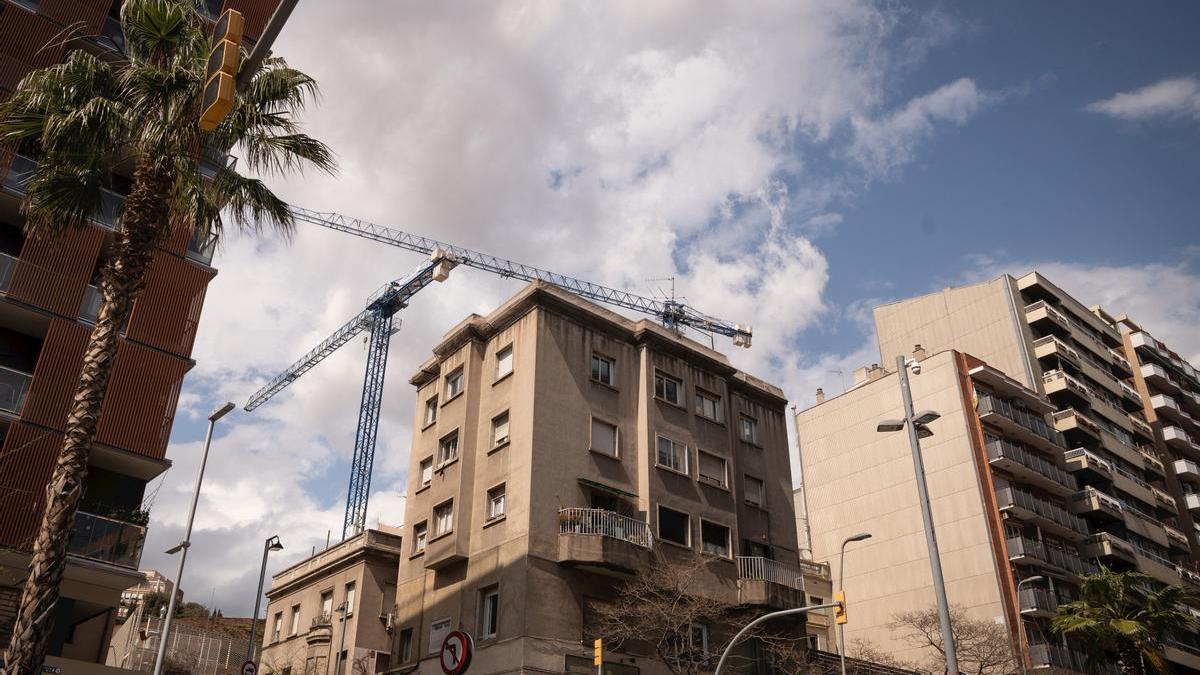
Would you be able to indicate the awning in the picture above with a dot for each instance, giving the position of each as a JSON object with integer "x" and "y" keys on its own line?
{"x": 607, "y": 488}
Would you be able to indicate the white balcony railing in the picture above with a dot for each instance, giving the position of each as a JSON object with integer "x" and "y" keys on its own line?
{"x": 602, "y": 523}
{"x": 757, "y": 568}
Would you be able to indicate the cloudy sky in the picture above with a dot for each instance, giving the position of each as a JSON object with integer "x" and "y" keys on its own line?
{"x": 790, "y": 163}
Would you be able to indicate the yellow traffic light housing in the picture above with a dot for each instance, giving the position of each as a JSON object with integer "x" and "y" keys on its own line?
{"x": 840, "y": 613}
{"x": 223, "y": 60}
{"x": 598, "y": 652}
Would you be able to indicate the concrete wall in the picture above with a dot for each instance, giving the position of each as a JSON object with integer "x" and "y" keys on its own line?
{"x": 860, "y": 480}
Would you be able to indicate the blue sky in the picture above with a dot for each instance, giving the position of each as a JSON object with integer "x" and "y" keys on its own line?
{"x": 791, "y": 163}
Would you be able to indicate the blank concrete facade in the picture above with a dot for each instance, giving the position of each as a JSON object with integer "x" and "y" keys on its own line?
{"x": 1044, "y": 463}
{"x": 550, "y": 435}
{"x": 304, "y": 622}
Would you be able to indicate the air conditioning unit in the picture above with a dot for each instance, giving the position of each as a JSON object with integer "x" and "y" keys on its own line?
{"x": 389, "y": 621}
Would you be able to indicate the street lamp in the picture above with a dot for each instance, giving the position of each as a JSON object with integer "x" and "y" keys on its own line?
{"x": 337, "y": 662}
{"x": 917, "y": 426}
{"x": 1021, "y": 627}
{"x": 182, "y": 547}
{"x": 272, "y": 544}
{"x": 861, "y": 536}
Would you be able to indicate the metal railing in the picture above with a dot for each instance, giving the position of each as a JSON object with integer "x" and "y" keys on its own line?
{"x": 599, "y": 522}
{"x": 321, "y": 620}
{"x": 1000, "y": 448}
{"x": 1009, "y": 497}
{"x": 1053, "y": 555}
{"x": 1059, "y": 345}
{"x": 1072, "y": 382}
{"x": 1091, "y": 457}
{"x": 1031, "y": 421}
{"x": 14, "y": 386}
{"x": 1056, "y": 655}
{"x": 1038, "y": 598}
{"x": 757, "y": 568}
{"x": 816, "y": 569}
{"x": 106, "y": 539}
{"x": 1107, "y": 500}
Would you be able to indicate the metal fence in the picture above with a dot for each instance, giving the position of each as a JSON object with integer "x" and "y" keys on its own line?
{"x": 757, "y": 568}
{"x": 606, "y": 524}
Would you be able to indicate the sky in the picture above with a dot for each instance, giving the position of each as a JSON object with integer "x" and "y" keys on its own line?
{"x": 791, "y": 164}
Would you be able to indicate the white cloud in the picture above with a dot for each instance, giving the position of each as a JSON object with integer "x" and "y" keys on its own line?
{"x": 1174, "y": 97}
{"x": 614, "y": 141}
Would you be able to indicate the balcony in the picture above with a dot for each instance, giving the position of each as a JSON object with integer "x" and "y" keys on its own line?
{"x": 1176, "y": 539}
{"x": 89, "y": 311}
{"x": 1038, "y": 602}
{"x": 769, "y": 583}
{"x": 1052, "y": 347}
{"x": 1152, "y": 463}
{"x": 1140, "y": 426}
{"x": 1087, "y": 465}
{"x": 1057, "y": 382}
{"x": 1056, "y": 656}
{"x": 1042, "y": 315}
{"x": 107, "y": 540}
{"x": 1180, "y": 440}
{"x": 1050, "y": 516}
{"x": 1070, "y": 421}
{"x": 14, "y": 386}
{"x": 1030, "y": 552}
{"x": 1030, "y": 468}
{"x": 1186, "y": 470}
{"x": 1130, "y": 397}
{"x": 1158, "y": 376}
{"x": 1163, "y": 500}
{"x": 1121, "y": 362}
{"x": 201, "y": 248}
{"x": 320, "y": 630}
{"x": 1105, "y": 545}
{"x": 8, "y": 264}
{"x": 1097, "y": 505}
{"x": 21, "y": 171}
{"x": 1192, "y": 501}
{"x": 604, "y": 539}
{"x": 1017, "y": 421}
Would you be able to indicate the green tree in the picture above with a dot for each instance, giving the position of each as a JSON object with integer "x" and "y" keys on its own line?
{"x": 1123, "y": 611}
{"x": 83, "y": 120}
{"x": 153, "y": 602}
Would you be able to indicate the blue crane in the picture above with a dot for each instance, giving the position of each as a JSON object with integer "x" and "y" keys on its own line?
{"x": 384, "y": 303}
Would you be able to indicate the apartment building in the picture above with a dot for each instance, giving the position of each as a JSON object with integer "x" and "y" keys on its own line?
{"x": 153, "y": 582}
{"x": 341, "y": 598}
{"x": 557, "y": 445}
{"x": 48, "y": 303}
{"x": 1066, "y": 470}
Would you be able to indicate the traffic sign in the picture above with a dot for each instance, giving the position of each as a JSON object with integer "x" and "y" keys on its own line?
{"x": 456, "y": 653}
{"x": 248, "y": 668}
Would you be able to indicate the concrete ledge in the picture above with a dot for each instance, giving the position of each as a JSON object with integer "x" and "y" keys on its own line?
{"x": 766, "y": 594}
{"x": 601, "y": 551}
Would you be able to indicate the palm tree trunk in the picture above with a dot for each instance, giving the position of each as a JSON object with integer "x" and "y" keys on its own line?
{"x": 1129, "y": 659}
{"x": 142, "y": 226}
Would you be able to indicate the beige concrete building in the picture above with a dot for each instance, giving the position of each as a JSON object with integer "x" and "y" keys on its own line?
{"x": 556, "y": 444}
{"x": 343, "y": 597}
{"x": 155, "y": 582}
{"x": 1043, "y": 464}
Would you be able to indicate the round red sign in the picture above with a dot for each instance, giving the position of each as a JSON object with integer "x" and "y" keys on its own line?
{"x": 456, "y": 653}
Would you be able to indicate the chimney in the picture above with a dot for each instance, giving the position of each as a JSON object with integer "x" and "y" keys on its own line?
{"x": 860, "y": 375}
{"x": 918, "y": 353}
{"x": 874, "y": 372}
{"x": 820, "y": 395}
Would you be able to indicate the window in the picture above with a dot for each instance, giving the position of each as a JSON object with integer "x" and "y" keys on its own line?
{"x": 711, "y": 469}
{"x": 295, "y": 630}
{"x": 500, "y": 429}
{"x": 708, "y": 406}
{"x": 748, "y": 429}
{"x": 674, "y": 526}
{"x": 698, "y": 636}
{"x": 406, "y": 639}
{"x": 489, "y": 612}
{"x": 277, "y": 625}
{"x": 504, "y": 362}
{"x": 603, "y": 370}
{"x": 672, "y": 454}
{"x": 668, "y": 388}
{"x": 714, "y": 538}
{"x": 454, "y": 384}
{"x": 755, "y": 549}
{"x": 437, "y": 632}
{"x": 426, "y": 471}
{"x": 431, "y": 411}
{"x": 447, "y": 449}
{"x": 350, "y": 598}
{"x": 327, "y": 604}
{"x": 443, "y": 518}
{"x": 495, "y": 502}
{"x": 756, "y": 493}
{"x": 420, "y": 536}
{"x": 604, "y": 437}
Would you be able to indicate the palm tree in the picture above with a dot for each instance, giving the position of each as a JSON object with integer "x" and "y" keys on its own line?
{"x": 85, "y": 119}
{"x": 1123, "y": 611}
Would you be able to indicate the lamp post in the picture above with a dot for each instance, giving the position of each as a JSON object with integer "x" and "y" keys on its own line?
{"x": 861, "y": 536}
{"x": 1021, "y": 627}
{"x": 182, "y": 547}
{"x": 917, "y": 425}
{"x": 337, "y": 659}
{"x": 765, "y": 617}
{"x": 272, "y": 544}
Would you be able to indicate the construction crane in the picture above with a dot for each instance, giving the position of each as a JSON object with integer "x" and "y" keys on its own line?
{"x": 383, "y": 305}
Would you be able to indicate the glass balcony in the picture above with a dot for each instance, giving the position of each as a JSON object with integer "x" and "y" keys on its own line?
{"x": 111, "y": 36}
{"x": 1030, "y": 466}
{"x": 19, "y": 173}
{"x": 1025, "y": 505}
{"x": 14, "y": 386}
{"x": 1031, "y": 422}
{"x": 90, "y": 310}
{"x": 201, "y": 249}
{"x": 107, "y": 540}
{"x": 8, "y": 264}
{"x": 1038, "y": 602}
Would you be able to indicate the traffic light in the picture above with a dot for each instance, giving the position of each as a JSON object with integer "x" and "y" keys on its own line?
{"x": 598, "y": 652}
{"x": 220, "y": 84}
{"x": 840, "y": 613}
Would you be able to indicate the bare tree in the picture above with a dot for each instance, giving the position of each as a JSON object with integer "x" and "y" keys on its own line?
{"x": 983, "y": 647}
{"x": 865, "y": 650}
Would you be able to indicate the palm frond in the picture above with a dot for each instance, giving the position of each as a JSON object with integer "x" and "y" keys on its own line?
{"x": 251, "y": 203}
{"x": 60, "y": 197}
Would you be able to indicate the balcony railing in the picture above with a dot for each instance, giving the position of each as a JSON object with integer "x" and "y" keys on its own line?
{"x": 105, "y": 539}
{"x": 598, "y": 522}
{"x": 1031, "y": 421}
{"x": 1089, "y": 492}
{"x": 818, "y": 570}
{"x": 999, "y": 448}
{"x": 1080, "y": 388}
{"x": 1060, "y": 348}
{"x": 111, "y": 36}
{"x": 1053, "y": 555}
{"x": 90, "y": 309}
{"x": 757, "y": 568}
{"x": 322, "y": 620}
{"x": 21, "y": 170}
{"x": 1057, "y": 656}
{"x": 1033, "y": 599}
{"x": 1013, "y": 497}
{"x": 8, "y": 264}
{"x": 14, "y": 386}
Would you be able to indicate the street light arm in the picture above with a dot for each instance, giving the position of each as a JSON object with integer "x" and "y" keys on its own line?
{"x": 765, "y": 617}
